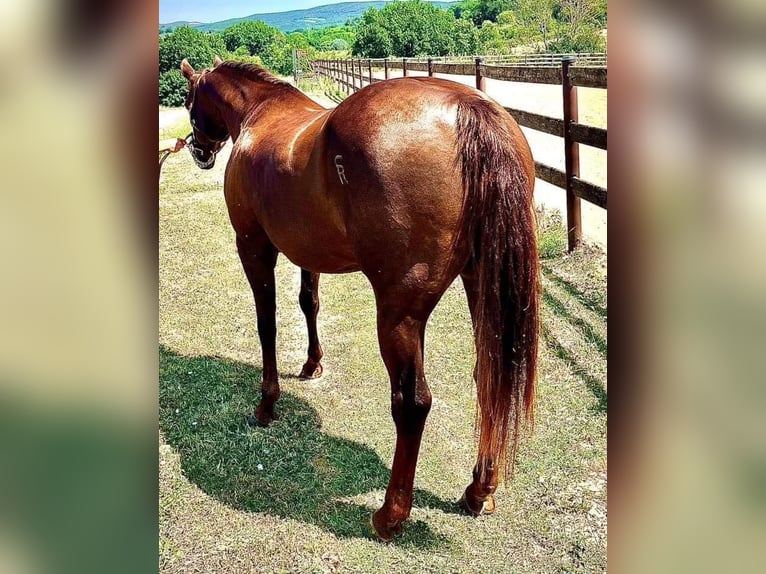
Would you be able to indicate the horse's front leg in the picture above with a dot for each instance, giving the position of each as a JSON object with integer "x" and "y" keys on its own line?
{"x": 259, "y": 257}
{"x": 401, "y": 344}
{"x": 309, "y": 301}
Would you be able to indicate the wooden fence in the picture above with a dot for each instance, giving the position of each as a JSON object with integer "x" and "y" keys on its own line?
{"x": 547, "y": 59}
{"x": 354, "y": 74}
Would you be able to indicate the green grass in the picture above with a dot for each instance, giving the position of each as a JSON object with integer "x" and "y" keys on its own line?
{"x": 325, "y": 462}
{"x": 551, "y": 234}
{"x": 320, "y": 85}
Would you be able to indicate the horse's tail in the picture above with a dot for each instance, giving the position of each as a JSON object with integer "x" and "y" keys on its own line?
{"x": 499, "y": 223}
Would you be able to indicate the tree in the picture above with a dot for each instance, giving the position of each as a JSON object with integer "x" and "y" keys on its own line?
{"x": 465, "y": 39}
{"x": 241, "y": 54}
{"x": 413, "y": 28}
{"x": 491, "y": 40}
{"x": 278, "y": 56}
{"x": 373, "y": 41}
{"x": 507, "y": 18}
{"x": 479, "y": 11}
{"x": 600, "y": 13}
{"x": 466, "y": 9}
{"x": 323, "y": 38}
{"x": 491, "y": 9}
{"x": 173, "y": 88}
{"x": 184, "y": 42}
{"x": 298, "y": 40}
{"x": 338, "y": 45}
{"x": 254, "y": 35}
{"x": 537, "y": 21}
{"x": 580, "y": 26}
{"x": 251, "y": 42}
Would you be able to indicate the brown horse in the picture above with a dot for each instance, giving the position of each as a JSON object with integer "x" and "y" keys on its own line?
{"x": 411, "y": 181}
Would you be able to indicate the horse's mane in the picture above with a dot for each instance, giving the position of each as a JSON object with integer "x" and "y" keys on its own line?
{"x": 255, "y": 73}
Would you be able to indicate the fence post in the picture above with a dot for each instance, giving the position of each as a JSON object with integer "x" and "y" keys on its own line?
{"x": 385, "y": 67}
{"x": 430, "y": 66}
{"x": 571, "y": 156}
{"x": 404, "y": 67}
{"x": 481, "y": 81}
{"x": 345, "y": 74}
{"x": 369, "y": 69}
{"x": 361, "y": 78}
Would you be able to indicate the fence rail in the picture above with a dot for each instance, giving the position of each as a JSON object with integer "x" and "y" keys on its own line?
{"x": 583, "y": 59}
{"x": 566, "y": 70}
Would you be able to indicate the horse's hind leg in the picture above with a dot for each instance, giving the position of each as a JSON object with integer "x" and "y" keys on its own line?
{"x": 401, "y": 331}
{"x": 259, "y": 257}
{"x": 309, "y": 301}
{"x": 479, "y": 496}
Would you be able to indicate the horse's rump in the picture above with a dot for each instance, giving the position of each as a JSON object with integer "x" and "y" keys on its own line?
{"x": 396, "y": 143}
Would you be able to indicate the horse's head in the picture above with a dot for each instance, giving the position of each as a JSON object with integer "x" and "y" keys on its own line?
{"x": 209, "y": 132}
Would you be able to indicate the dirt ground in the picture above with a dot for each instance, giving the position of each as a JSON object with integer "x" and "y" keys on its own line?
{"x": 170, "y": 117}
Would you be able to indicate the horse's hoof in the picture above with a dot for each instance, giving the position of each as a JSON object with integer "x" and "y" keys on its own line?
{"x": 261, "y": 418}
{"x": 487, "y": 507}
{"x": 383, "y": 531}
{"x": 311, "y": 370}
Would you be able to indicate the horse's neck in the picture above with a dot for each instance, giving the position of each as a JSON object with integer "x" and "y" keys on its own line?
{"x": 239, "y": 100}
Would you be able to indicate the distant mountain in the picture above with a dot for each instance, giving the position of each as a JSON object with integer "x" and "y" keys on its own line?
{"x": 317, "y": 17}
{"x": 179, "y": 23}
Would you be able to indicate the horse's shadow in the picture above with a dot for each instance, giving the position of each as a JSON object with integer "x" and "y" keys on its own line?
{"x": 290, "y": 469}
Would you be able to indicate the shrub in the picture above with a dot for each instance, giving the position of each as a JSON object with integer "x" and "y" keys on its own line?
{"x": 173, "y": 88}
{"x": 278, "y": 57}
{"x": 339, "y": 44}
{"x": 551, "y": 233}
{"x": 585, "y": 40}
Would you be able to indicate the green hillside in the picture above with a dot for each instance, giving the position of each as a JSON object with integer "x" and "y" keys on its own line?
{"x": 317, "y": 17}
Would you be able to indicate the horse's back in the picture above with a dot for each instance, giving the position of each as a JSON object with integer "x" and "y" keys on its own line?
{"x": 275, "y": 181}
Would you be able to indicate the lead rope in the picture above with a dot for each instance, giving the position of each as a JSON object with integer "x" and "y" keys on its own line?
{"x": 187, "y": 139}
{"x": 164, "y": 157}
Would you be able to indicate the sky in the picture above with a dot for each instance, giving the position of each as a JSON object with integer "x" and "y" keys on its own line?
{"x": 216, "y": 10}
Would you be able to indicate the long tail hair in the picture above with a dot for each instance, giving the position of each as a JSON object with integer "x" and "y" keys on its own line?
{"x": 499, "y": 222}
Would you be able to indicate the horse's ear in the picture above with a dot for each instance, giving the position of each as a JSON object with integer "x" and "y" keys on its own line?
{"x": 217, "y": 61}
{"x": 186, "y": 69}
